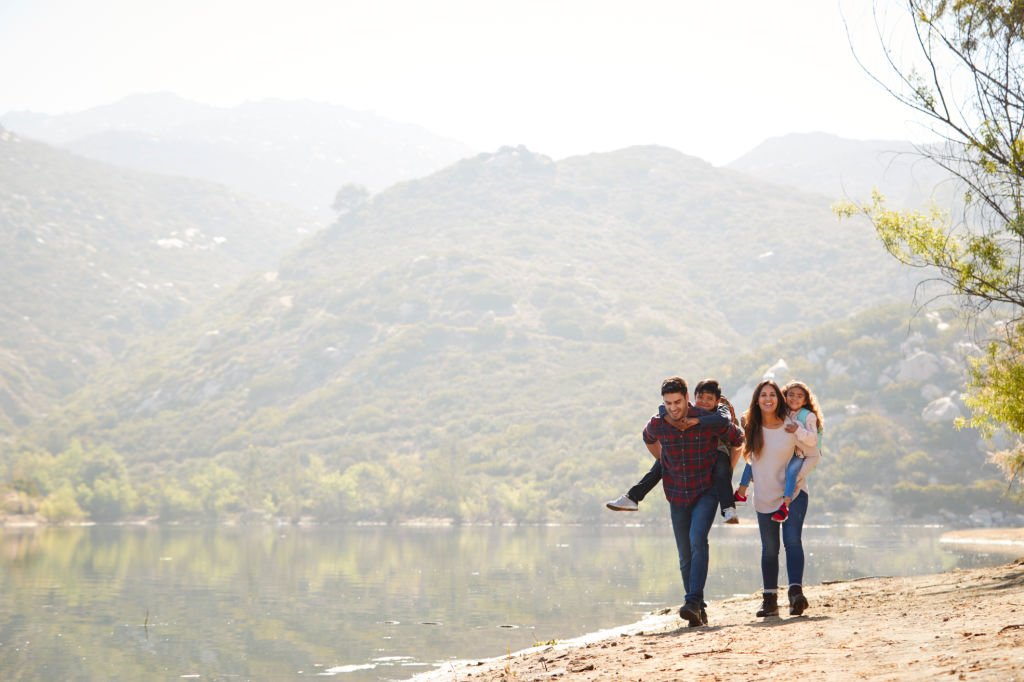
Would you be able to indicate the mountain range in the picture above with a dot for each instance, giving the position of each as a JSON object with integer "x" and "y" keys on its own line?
{"x": 295, "y": 152}
{"x": 483, "y": 342}
{"x": 489, "y": 316}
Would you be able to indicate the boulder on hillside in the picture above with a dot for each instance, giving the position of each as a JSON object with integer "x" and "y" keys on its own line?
{"x": 817, "y": 355}
{"x": 779, "y": 372}
{"x": 835, "y": 368}
{"x": 943, "y": 409}
{"x": 935, "y": 318}
{"x": 919, "y": 367}
{"x": 912, "y": 344}
{"x": 966, "y": 349}
{"x": 950, "y": 365}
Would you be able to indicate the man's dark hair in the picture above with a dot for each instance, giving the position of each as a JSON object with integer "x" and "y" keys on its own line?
{"x": 708, "y": 386}
{"x": 673, "y": 385}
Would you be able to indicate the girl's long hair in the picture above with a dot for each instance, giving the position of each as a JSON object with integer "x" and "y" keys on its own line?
{"x": 753, "y": 420}
{"x": 812, "y": 402}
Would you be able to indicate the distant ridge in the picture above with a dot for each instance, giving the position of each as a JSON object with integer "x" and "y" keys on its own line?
{"x": 298, "y": 152}
{"x": 840, "y": 168}
{"x": 149, "y": 112}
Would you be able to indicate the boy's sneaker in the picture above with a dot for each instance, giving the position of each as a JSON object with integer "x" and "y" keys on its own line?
{"x": 729, "y": 514}
{"x": 781, "y": 514}
{"x": 739, "y": 497}
{"x": 622, "y": 503}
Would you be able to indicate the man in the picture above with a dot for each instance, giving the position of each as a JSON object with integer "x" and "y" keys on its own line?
{"x": 687, "y": 451}
{"x": 708, "y": 397}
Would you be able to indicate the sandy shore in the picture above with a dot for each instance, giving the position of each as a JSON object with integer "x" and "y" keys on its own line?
{"x": 962, "y": 625}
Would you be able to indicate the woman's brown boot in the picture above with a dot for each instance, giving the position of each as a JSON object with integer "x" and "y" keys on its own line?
{"x": 769, "y": 605}
{"x": 797, "y": 601}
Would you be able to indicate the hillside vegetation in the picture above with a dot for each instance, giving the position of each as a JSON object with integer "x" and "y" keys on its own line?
{"x": 94, "y": 256}
{"x": 485, "y": 344}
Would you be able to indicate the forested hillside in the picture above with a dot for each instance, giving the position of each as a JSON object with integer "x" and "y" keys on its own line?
{"x": 482, "y": 344}
{"x": 95, "y": 256}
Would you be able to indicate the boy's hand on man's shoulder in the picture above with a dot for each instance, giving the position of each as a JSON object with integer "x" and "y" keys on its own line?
{"x": 684, "y": 423}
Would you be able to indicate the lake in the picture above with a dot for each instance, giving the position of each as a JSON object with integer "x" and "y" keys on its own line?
{"x": 369, "y": 603}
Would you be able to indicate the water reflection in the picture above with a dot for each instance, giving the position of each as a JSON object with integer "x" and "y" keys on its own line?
{"x": 367, "y": 603}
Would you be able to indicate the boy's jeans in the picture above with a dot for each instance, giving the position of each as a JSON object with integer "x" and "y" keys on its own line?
{"x": 652, "y": 478}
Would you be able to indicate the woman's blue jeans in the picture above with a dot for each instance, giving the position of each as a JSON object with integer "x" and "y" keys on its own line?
{"x": 691, "y": 525}
{"x": 792, "y": 537}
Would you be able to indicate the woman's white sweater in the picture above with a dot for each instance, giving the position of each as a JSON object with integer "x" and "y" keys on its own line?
{"x": 770, "y": 466}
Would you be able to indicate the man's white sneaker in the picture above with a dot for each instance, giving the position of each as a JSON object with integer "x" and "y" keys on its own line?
{"x": 729, "y": 514}
{"x": 623, "y": 503}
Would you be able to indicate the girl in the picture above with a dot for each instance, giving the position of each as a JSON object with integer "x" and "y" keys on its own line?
{"x": 805, "y": 411}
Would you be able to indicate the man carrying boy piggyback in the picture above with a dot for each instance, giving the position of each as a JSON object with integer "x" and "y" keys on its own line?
{"x": 718, "y": 410}
{"x": 687, "y": 450}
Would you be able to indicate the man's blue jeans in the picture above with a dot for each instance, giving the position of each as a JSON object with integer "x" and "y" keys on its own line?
{"x": 792, "y": 538}
{"x": 691, "y": 525}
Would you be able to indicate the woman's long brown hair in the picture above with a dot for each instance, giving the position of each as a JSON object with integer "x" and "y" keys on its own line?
{"x": 753, "y": 420}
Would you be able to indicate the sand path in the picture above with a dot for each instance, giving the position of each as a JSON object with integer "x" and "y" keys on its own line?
{"x": 962, "y": 625}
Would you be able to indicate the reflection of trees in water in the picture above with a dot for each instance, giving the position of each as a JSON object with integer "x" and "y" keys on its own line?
{"x": 128, "y": 602}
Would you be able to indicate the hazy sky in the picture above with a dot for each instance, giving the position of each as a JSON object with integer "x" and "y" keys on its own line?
{"x": 563, "y": 77}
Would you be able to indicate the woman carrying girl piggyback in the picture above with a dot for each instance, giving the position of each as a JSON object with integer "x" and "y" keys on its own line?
{"x": 772, "y": 436}
{"x": 804, "y": 410}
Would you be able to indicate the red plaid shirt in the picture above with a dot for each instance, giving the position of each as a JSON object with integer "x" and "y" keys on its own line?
{"x": 687, "y": 457}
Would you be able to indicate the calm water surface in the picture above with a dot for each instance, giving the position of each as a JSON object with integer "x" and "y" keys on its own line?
{"x": 368, "y": 603}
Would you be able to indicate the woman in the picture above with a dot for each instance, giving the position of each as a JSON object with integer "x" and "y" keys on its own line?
{"x": 771, "y": 438}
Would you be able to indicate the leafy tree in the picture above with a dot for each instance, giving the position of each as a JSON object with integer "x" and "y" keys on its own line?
{"x": 997, "y": 382}
{"x": 95, "y": 477}
{"x": 966, "y": 76}
{"x": 33, "y": 472}
{"x": 218, "y": 490}
{"x": 174, "y": 502}
{"x": 61, "y": 506}
{"x": 349, "y": 198}
{"x": 100, "y": 479}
